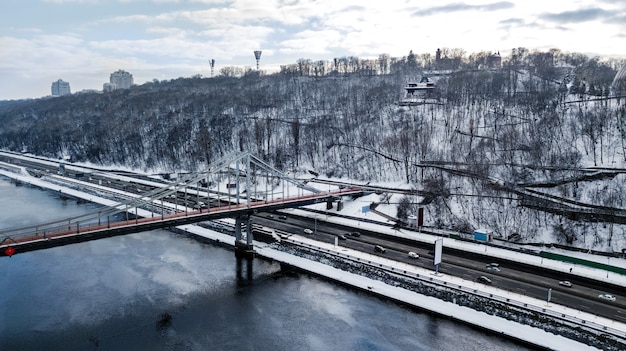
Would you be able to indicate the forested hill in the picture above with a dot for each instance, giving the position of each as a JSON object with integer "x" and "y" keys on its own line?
{"x": 182, "y": 124}
{"x": 523, "y": 123}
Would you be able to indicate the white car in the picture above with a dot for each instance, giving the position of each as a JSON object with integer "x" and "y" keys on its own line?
{"x": 493, "y": 268}
{"x": 308, "y": 231}
{"x": 565, "y": 283}
{"x": 413, "y": 255}
{"x": 607, "y": 297}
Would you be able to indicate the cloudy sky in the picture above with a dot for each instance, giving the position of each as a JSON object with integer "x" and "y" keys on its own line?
{"x": 83, "y": 41}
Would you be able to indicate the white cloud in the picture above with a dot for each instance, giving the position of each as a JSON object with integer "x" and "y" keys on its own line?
{"x": 71, "y": 1}
{"x": 183, "y": 34}
{"x": 311, "y": 42}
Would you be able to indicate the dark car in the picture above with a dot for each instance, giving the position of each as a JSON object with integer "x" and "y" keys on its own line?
{"x": 483, "y": 279}
{"x": 282, "y": 217}
{"x": 380, "y": 249}
{"x": 355, "y": 234}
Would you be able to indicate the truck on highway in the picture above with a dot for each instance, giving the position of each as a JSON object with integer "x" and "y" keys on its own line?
{"x": 482, "y": 235}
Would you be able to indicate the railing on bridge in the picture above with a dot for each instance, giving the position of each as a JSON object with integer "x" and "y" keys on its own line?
{"x": 54, "y": 230}
{"x": 236, "y": 182}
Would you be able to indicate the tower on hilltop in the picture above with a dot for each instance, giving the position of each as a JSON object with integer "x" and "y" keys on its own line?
{"x": 257, "y": 55}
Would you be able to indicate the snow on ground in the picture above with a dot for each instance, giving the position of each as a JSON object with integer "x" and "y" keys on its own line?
{"x": 27, "y": 179}
{"x": 355, "y": 209}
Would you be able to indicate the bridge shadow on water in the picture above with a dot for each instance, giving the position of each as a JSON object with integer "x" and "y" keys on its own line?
{"x": 244, "y": 269}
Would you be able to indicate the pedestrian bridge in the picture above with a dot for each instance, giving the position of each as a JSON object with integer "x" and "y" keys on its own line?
{"x": 236, "y": 186}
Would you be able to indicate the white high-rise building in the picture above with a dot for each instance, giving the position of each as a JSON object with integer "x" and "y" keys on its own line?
{"x": 60, "y": 88}
{"x": 121, "y": 79}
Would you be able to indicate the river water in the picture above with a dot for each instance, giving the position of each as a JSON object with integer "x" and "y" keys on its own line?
{"x": 160, "y": 291}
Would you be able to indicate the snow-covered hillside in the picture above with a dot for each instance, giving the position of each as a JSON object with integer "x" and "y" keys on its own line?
{"x": 532, "y": 152}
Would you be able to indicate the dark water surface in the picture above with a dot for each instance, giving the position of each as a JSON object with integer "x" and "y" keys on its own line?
{"x": 160, "y": 291}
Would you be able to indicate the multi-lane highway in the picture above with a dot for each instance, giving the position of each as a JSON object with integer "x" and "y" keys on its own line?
{"x": 527, "y": 280}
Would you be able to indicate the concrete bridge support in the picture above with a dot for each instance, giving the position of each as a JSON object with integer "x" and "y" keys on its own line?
{"x": 241, "y": 246}
{"x": 329, "y": 204}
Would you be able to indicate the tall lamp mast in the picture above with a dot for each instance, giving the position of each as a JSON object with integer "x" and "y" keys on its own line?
{"x": 257, "y": 55}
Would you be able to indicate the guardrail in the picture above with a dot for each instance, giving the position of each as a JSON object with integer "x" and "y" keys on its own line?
{"x": 10, "y": 168}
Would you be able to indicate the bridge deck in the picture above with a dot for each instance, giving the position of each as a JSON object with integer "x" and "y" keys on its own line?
{"x": 76, "y": 232}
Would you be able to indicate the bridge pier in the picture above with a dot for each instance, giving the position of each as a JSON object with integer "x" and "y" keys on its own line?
{"x": 329, "y": 203}
{"x": 243, "y": 247}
